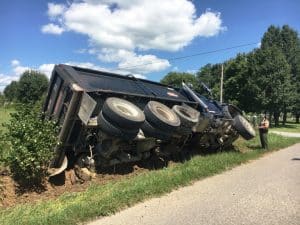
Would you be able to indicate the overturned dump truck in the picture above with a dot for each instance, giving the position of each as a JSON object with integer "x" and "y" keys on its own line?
{"x": 108, "y": 119}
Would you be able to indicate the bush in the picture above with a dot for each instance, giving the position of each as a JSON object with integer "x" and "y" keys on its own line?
{"x": 2, "y": 148}
{"x": 32, "y": 140}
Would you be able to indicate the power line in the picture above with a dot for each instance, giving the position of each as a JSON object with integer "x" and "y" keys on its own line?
{"x": 193, "y": 55}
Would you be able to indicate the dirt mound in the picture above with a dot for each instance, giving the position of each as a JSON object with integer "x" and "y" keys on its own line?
{"x": 11, "y": 193}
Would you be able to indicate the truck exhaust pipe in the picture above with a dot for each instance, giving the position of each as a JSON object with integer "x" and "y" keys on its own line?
{"x": 194, "y": 96}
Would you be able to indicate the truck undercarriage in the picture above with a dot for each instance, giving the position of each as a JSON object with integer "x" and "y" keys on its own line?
{"x": 108, "y": 119}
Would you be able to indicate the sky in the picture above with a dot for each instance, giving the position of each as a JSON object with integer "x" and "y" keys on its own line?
{"x": 139, "y": 37}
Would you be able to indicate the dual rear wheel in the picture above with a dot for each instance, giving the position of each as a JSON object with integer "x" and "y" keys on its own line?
{"x": 120, "y": 118}
{"x": 123, "y": 119}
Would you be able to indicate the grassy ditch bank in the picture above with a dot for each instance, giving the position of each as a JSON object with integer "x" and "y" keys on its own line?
{"x": 288, "y": 127}
{"x": 109, "y": 198}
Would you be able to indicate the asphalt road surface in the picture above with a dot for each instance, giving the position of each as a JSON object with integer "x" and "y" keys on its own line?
{"x": 265, "y": 191}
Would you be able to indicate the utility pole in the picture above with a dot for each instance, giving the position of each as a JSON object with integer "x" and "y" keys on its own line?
{"x": 221, "y": 85}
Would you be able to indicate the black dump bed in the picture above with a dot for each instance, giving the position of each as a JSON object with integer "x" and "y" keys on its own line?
{"x": 97, "y": 86}
{"x": 106, "y": 82}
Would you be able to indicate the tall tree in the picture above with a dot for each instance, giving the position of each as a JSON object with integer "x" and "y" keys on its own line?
{"x": 271, "y": 38}
{"x": 274, "y": 81}
{"x": 287, "y": 41}
{"x": 291, "y": 49}
{"x": 296, "y": 105}
{"x": 240, "y": 83}
{"x": 210, "y": 76}
{"x": 175, "y": 79}
{"x": 11, "y": 90}
{"x": 32, "y": 86}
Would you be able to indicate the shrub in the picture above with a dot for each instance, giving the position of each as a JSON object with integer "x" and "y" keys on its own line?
{"x": 32, "y": 140}
{"x": 2, "y": 147}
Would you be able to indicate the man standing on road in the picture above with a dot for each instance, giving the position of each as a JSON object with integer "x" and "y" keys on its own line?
{"x": 263, "y": 132}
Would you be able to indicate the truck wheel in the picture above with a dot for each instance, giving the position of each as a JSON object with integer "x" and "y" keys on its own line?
{"x": 123, "y": 113}
{"x": 111, "y": 129}
{"x": 226, "y": 112}
{"x": 230, "y": 111}
{"x": 189, "y": 117}
{"x": 161, "y": 116}
{"x": 150, "y": 131}
{"x": 243, "y": 127}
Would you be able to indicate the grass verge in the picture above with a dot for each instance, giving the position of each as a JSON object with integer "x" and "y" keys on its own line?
{"x": 107, "y": 199}
{"x": 288, "y": 127}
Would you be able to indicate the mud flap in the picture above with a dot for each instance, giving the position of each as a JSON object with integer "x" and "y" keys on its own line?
{"x": 55, "y": 171}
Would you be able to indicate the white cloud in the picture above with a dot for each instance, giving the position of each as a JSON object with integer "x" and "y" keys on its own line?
{"x": 15, "y": 62}
{"x": 258, "y": 45}
{"x": 191, "y": 71}
{"x": 209, "y": 24}
{"x": 134, "y": 25}
{"x": 132, "y": 62}
{"x": 164, "y": 25}
{"x": 52, "y": 29}
{"x": 5, "y": 80}
{"x": 17, "y": 70}
{"x": 55, "y": 10}
{"x": 46, "y": 69}
{"x": 89, "y": 65}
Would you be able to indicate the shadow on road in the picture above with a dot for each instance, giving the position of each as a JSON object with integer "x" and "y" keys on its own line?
{"x": 295, "y": 158}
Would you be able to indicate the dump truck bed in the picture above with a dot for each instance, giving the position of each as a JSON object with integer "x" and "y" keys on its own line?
{"x": 99, "y": 83}
{"x": 106, "y": 82}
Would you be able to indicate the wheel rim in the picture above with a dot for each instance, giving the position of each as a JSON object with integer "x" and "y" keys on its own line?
{"x": 184, "y": 112}
{"x": 168, "y": 116}
{"x": 126, "y": 108}
{"x": 187, "y": 114}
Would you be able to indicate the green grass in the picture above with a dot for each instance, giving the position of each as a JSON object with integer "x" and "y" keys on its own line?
{"x": 107, "y": 199}
{"x": 288, "y": 127}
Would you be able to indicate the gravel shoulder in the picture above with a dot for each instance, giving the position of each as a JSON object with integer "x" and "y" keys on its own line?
{"x": 265, "y": 191}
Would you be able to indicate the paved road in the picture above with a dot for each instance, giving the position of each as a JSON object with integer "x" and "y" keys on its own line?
{"x": 286, "y": 134}
{"x": 265, "y": 191}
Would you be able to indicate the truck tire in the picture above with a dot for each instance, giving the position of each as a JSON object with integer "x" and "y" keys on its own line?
{"x": 230, "y": 111}
{"x": 161, "y": 117}
{"x": 189, "y": 117}
{"x": 115, "y": 131}
{"x": 123, "y": 113}
{"x": 150, "y": 131}
{"x": 226, "y": 112}
{"x": 243, "y": 127}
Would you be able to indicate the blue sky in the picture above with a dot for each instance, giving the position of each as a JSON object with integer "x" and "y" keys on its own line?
{"x": 118, "y": 35}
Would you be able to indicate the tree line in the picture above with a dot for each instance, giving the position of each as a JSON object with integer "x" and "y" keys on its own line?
{"x": 30, "y": 88}
{"x": 265, "y": 80}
